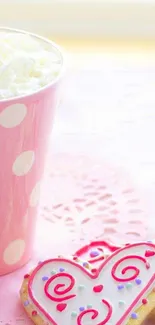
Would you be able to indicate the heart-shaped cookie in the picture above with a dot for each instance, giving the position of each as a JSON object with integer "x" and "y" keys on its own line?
{"x": 119, "y": 292}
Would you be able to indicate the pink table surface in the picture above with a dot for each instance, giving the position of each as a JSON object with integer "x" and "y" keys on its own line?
{"x": 82, "y": 200}
{"x": 107, "y": 113}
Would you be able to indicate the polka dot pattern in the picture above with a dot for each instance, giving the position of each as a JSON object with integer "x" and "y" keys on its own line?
{"x": 35, "y": 194}
{"x": 14, "y": 252}
{"x": 23, "y": 163}
{"x": 25, "y": 126}
{"x": 13, "y": 115}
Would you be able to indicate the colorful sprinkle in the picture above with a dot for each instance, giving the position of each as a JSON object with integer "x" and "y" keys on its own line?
{"x": 81, "y": 308}
{"x": 75, "y": 258}
{"x": 121, "y": 303}
{"x": 148, "y": 265}
{"x": 26, "y": 276}
{"x": 34, "y": 313}
{"x": 149, "y": 253}
{"x": 61, "y": 269}
{"x": 120, "y": 286}
{"x": 134, "y": 316}
{"x": 53, "y": 272}
{"x": 94, "y": 253}
{"x": 45, "y": 278}
{"x": 86, "y": 265}
{"x": 81, "y": 287}
{"x": 89, "y": 306}
{"x": 26, "y": 303}
{"x": 144, "y": 301}
{"x": 98, "y": 288}
{"x": 60, "y": 307}
{"x": 73, "y": 314}
{"x": 138, "y": 281}
{"x": 129, "y": 285}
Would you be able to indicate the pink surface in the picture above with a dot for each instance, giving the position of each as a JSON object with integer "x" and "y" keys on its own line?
{"x": 25, "y": 125}
{"x": 69, "y": 219}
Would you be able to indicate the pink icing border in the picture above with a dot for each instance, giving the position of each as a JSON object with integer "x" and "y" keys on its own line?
{"x": 92, "y": 276}
{"x": 96, "y": 244}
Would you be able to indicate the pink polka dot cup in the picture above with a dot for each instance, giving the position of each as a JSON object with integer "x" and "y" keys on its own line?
{"x": 25, "y": 127}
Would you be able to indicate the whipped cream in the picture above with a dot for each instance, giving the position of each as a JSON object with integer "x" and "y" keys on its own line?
{"x": 26, "y": 64}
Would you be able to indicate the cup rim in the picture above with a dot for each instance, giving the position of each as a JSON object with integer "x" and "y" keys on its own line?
{"x": 53, "y": 82}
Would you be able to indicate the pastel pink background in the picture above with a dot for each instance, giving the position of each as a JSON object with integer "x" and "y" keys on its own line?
{"x": 70, "y": 218}
{"x": 17, "y": 215}
{"x": 120, "y": 129}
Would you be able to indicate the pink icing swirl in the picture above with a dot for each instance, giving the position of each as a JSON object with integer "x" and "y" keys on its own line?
{"x": 133, "y": 268}
{"x": 60, "y": 289}
{"x": 95, "y": 314}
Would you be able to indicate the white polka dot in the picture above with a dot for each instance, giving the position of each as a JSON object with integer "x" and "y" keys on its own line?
{"x": 35, "y": 195}
{"x": 14, "y": 252}
{"x": 13, "y": 115}
{"x": 23, "y": 163}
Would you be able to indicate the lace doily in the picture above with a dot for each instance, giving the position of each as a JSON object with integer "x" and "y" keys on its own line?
{"x": 92, "y": 201}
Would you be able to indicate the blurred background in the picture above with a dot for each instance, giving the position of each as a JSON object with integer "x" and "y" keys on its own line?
{"x": 107, "y": 109}
{"x": 79, "y": 20}
{"x": 107, "y": 113}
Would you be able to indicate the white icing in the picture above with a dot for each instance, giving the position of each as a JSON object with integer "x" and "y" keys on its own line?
{"x": 86, "y": 296}
{"x": 26, "y": 64}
